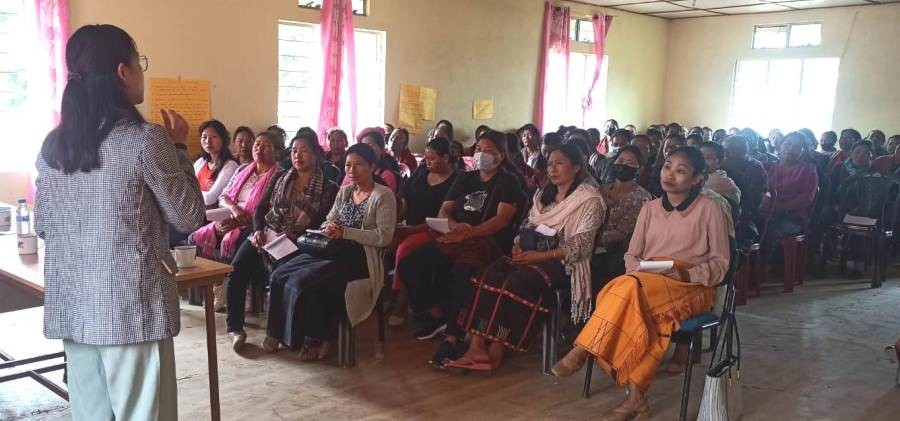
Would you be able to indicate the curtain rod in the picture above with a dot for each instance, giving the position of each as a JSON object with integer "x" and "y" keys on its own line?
{"x": 584, "y": 3}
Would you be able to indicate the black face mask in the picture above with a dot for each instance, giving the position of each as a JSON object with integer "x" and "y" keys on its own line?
{"x": 623, "y": 172}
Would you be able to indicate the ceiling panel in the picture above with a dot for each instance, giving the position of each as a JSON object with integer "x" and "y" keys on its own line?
{"x": 710, "y": 4}
{"x": 810, "y": 4}
{"x": 654, "y": 7}
{"x": 760, "y": 8}
{"x": 686, "y": 14}
{"x": 677, "y": 9}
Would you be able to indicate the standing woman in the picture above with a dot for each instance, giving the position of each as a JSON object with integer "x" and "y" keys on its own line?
{"x": 216, "y": 164}
{"x": 109, "y": 185}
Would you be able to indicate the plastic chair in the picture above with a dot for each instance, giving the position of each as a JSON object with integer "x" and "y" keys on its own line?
{"x": 347, "y": 337}
{"x": 551, "y": 331}
{"x": 870, "y": 196}
{"x": 695, "y": 326}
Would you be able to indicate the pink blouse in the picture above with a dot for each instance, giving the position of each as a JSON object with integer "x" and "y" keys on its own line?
{"x": 696, "y": 236}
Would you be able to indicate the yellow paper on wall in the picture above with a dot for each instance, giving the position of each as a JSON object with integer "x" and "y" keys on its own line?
{"x": 190, "y": 98}
{"x": 410, "y": 108}
{"x": 483, "y": 109}
{"x": 428, "y": 98}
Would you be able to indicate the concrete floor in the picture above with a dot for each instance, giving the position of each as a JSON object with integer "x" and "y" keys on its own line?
{"x": 816, "y": 354}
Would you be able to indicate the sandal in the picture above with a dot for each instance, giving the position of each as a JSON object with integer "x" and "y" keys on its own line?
{"x": 324, "y": 347}
{"x": 465, "y": 366}
{"x": 445, "y": 353}
{"x": 626, "y": 414}
{"x": 309, "y": 351}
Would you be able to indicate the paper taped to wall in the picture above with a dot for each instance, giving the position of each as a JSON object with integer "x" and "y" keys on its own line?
{"x": 190, "y": 98}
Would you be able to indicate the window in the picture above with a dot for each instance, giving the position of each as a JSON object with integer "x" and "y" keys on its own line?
{"x": 786, "y": 94}
{"x": 581, "y": 30}
{"x": 300, "y": 78}
{"x": 360, "y": 7}
{"x": 581, "y": 74}
{"x": 787, "y": 35}
{"x": 12, "y": 57}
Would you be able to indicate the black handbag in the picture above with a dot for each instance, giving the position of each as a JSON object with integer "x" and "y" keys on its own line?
{"x": 531, "y": 240}
{"x": 321, "y": 246}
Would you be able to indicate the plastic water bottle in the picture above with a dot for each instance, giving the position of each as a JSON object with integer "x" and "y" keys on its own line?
{"x": 23, "y": 219}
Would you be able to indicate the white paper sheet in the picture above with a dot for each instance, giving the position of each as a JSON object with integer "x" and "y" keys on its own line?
{"x": 268, "y": 236}
{"x": 545, "y": 230}
{"x": 859, "y": 220}
{"x": 655, "y": 266}
{"x": 218, "y": 214}
{"x": 279, "y": 247}
{"x": 440, "y": 225}
{"x": 319, "y": 232}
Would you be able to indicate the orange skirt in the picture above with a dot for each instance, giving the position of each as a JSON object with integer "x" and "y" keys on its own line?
{"x": 633, "y": 322}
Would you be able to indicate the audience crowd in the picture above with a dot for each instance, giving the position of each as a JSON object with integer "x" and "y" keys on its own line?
{"x": 527, "y": 214}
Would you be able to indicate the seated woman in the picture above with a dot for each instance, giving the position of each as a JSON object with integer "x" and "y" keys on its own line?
{"x": 424, "y": 192}
{"x": 243, "y": 143}
{"x": 717, "y": 179}
{"x": 859, "y": 163}
{"x": 792, "y": 186}
{"x": 481, "y": 208}
{"x": 637, "y": 313}
{"x": 530, "y": 137}
{"x": 294, "y": 200}
{"x": 220, "y": 240}
{"x": 216, "y": 164}
{"x": 533, "y": 179}
{"x": 624, "y": 198}
{"x": 508, "y": 302}
{"x": 386, "y": 168}
{"x": 337, "y": 149}
{"x": 309, "y": 295}
{"x": 400, "y": 149}
{"x": 888, "y": 164}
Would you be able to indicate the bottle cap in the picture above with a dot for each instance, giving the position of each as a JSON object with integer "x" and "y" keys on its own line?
{"x": 21, "y": 200}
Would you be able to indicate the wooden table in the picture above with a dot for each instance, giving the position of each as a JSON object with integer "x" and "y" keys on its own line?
{"x": 27, "y": 272}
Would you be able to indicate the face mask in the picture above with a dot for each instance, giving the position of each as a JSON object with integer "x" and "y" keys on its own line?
{"x": 485, "y": 161}
{"x": 613, "y": 150}
{"x": 623, "y": 172}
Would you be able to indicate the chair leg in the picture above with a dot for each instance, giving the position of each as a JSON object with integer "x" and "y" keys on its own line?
{"x": 713, "y": 338}
{"x": 588, "y": 371}
{"x": 554, "y": 324}
{"x": 755, "y": 272}
{"x": 802, "y": 251}
{"x": 686, "y": 387}
{"x": 789, "y": 245}
{"x": 743, "y": 278}
{"x": 545, "y": 349}
{"x": 351, "y": 347}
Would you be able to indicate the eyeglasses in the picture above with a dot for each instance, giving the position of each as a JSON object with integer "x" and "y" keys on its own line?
{"x": 145, "y": 64}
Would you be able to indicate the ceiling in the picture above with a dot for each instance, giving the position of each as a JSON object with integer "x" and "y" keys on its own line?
{"x": 678, "y": 9}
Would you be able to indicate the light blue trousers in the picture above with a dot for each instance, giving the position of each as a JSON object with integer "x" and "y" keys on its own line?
{"x": 125, "y": 382}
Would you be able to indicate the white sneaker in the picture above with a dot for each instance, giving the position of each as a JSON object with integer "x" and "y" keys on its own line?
{"x": 237, "y": 340}
{"x": 270, "y": 344}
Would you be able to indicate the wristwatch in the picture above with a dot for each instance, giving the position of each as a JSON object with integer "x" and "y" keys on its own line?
{"x": 181, "y": 146}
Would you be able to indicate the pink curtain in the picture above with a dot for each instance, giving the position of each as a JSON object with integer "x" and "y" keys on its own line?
{"x": 553, "y": 74}
{"x": 601, "y": 23}
{"x": 338, "y": 60}
{"x": 47, "y": 74}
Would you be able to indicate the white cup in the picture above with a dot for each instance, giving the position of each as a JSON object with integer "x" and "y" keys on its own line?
{"x": 28, "y": 244}
{"x": 185, "y": 256}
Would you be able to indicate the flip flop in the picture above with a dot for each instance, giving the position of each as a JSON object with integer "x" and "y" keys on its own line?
{"x": 467, "y": 366}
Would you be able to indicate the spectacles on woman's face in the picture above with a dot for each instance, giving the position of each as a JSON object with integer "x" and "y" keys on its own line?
{"x": 143, "y": 62}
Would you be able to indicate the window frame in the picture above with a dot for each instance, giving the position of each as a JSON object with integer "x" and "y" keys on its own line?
{"x": 317, "y": 5}
{"x": 787, "y": 38}
{"x": 577, "y": 22}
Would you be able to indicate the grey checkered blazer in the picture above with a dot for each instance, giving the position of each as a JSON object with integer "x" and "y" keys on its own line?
{"x": 106, "y": 236}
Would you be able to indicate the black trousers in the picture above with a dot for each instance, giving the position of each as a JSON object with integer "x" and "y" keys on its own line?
{"x": 248, "y": 266}
{"x": 433, "y": 280}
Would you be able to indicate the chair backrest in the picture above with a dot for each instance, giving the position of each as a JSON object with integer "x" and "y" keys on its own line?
{"x": 869, "y": 195}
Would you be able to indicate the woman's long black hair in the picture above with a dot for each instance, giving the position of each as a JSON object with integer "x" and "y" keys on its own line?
{"x": 574, "y": 155}
{"x": 94, "y": 99}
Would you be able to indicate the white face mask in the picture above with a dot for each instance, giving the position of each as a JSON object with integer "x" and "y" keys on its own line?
{"x": 485, "y": 161}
